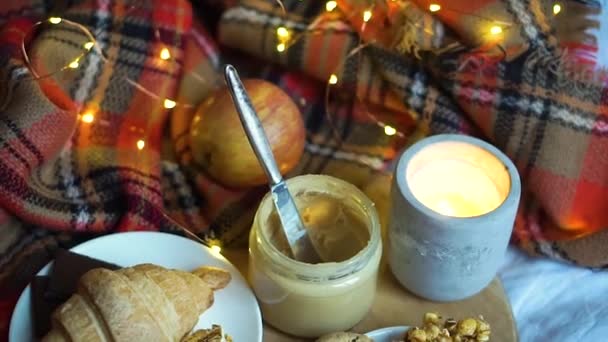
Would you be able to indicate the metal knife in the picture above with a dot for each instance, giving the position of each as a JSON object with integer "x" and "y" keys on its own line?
{"x": 296, "y": 234}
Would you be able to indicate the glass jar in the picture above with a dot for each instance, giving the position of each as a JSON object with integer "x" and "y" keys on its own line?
{"x": 310, "y": 300}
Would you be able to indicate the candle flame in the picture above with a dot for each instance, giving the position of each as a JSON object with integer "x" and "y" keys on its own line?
{"x": 444, "y": 208}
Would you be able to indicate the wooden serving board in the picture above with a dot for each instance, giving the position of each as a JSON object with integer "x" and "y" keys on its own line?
{"x": 394, "y": 305}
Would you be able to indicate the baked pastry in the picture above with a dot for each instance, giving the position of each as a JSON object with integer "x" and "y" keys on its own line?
{"x": 141, "y": 303}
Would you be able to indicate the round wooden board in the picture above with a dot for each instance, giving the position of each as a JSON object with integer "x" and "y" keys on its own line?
{"x": 394, "y": 305}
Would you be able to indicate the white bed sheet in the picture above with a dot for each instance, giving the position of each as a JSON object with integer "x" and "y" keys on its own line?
{"x": 552, "y": 301}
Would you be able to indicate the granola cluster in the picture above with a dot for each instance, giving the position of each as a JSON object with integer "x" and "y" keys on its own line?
{"x": 435, "y": 329}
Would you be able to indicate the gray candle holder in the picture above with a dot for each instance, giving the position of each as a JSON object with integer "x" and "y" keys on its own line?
{"x": 446, "y": 258}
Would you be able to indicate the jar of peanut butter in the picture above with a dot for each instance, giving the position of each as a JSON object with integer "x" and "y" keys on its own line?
{"x": 310, "y": 300}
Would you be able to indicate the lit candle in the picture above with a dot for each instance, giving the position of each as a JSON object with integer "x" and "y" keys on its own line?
{"x": 454, "y": 200}
{"x": 458, "y": 179}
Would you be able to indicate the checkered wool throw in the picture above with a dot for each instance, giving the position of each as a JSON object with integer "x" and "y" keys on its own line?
{"x": 72, "y": 165}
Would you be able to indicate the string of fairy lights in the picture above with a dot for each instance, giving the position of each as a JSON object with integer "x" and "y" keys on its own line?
{"x": 285, "y": 38}
{"x": 88, "y": 116}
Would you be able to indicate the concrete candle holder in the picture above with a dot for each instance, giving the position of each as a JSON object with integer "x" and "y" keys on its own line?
{"x": 454, "y": 200}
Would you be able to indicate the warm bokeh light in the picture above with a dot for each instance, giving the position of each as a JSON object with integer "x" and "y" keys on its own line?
{"x": 54, "y": 20}
{"x": 141, "y": 144}
{"x": 331, "y": 5}
{"x": 367, "y": 15}
{"x": 434, "y": 7}
{"x": 557, "y": 8}
{"x": 74, "y": 64}
{"x": 89, "y": 45}
{"x": 169, "y": 104}
{"x": 389, "y": 130}
{"x": 333, "y": 79}
{"x": 216, "y": 249}
{"x": 280, "y": 47}
{"x": 282, "y": 32}
{"x": 495, "y": 30}
{"x": 88, "y": 117}
{"x": 165, "y": 54}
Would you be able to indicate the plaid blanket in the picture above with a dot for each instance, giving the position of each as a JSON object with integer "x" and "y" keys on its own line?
{"x": 91, "y": 150}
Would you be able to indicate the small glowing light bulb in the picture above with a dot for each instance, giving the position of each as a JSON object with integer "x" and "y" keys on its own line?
{"x": 54, "y": 20}
{"x": 282, "y": 32}
{"x": 169, "y": 104}
{"x": 141, "y": 144}
{"x": 495, "y": 30}
{"x": 74, "y": 64}
{"x": 88, "y": 117}
{"x": 89, "y": 45}
{"x": 330, "y": 6}
{"x": 557, "y": 8}
{"x": 165, "y": 54}
{"x": 216, "y": 249}
{"x": 389, "y": 130}
{"x": 333, "y": 79}
{"x": 280, "y": 47}
{"x": 434, "y": 7}
{"x": 367, "y": 15}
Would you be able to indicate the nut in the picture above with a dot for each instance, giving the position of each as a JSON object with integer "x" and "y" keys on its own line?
{"x": 450, "y": 324}
{"x": 432, "y": 331}
{"x": 467, "y": 327}
{"x": 432, "y": 317}
{"x": 416, "y": 335}
{"x": 442, "y": 338}
{"x": 464, "y": 339}
{"x": 482, "y": 326}
{"x": 450, "y": 330}
{"x": 483, "y": 336}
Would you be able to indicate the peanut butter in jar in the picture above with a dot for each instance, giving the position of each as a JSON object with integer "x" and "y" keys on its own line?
{"x": 310, "y": 300}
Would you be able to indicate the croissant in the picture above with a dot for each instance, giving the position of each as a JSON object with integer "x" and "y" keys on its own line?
{"x": 141, "y": 303}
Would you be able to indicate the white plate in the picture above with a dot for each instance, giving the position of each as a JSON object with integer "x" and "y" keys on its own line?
{"x": 235, "y": 307}
{"x": 390, "y": 334}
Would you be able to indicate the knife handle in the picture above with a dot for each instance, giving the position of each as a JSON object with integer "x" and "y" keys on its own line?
{"x": 252, "y": 125}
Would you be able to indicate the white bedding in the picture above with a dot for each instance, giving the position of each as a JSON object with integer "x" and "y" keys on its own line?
{"x": 555, "y": 302}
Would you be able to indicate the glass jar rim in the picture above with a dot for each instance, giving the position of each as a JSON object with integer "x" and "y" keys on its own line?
{"x": 322, "y": 271}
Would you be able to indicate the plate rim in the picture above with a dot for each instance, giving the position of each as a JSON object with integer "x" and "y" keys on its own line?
{"x": 391, "y": 328}
{"x": 44, "y": 269}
